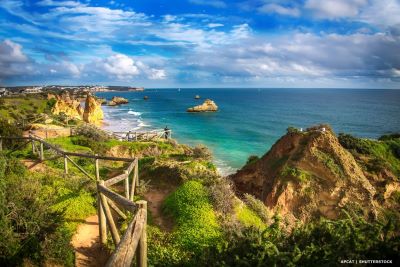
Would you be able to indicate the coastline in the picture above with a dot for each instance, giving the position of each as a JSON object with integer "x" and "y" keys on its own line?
{"x": 113, "y": 122}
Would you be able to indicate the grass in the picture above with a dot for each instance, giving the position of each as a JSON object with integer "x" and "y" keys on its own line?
{"x": 196, "y": 222}
{"x": 248, "y": 217}
{"x": 13, "y": 108}
{"x": 329, "y": 162}
{"x": 296, "y": 173}
{"x": 69, "y": 144}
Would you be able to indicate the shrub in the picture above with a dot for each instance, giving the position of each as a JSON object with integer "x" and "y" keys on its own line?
{"x": 8, "y": 129}
{"x": 296, "y": 173}
{"x": 292, "y": 129}
{"x": 197, "y": 226}
{"x": 222, "y": 195}
{"x": 258, "y": 207}
{"x": 251, "y": 159}
{"x": 92, "y": 132}
{"x": 322, "y": 243}
{"x": 201, "y": 151}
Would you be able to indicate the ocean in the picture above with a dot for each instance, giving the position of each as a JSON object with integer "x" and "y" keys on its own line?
{"x": 250, "y": 121}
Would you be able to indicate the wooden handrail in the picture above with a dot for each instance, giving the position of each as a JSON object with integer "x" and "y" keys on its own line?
{"x": 119, "y": 200}
{"x": 133, "y": 238}
{"x": 116, "y": 179}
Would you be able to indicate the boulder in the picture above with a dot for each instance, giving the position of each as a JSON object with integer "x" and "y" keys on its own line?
{"x": 93, "y": 112}
{"x": 117, "y": 101}
{"x": 207, "y": 106}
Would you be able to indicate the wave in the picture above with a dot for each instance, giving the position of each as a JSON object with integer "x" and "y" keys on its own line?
{"x": 135, "y": 113}
{"x": 223, "y": 168}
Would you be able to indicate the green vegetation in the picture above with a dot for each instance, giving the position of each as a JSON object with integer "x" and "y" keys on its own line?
{"x": 248, "y": 217}
{"x": 196, "y": 223}
{"x": 252, "y": 159}
{"x": 39, "y": 214}
{"x": 323, "y": 243}
{"x": 382, "y": 154}
{"x": 15, "y": 109}
{"x": 329, "y": 162}
{"x": 296, "y": 173}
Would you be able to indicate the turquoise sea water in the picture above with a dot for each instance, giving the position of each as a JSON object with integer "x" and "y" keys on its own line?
{"x": 249, "y": 121}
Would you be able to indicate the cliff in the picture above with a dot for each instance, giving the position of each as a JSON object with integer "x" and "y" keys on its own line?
{"x": 207, "y": 106}
{"x": 310, "y": 174}
{"x": 93, "y": 112}
{"x": 64, "y": 104}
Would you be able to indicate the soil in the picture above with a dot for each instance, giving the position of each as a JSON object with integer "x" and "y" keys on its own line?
{"x": 86, "y": 243}
{"x": 155, "y": 198}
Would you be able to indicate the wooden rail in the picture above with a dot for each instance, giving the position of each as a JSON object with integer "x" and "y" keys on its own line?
{"x": 142, "y": 135}
{"x": 134, "y": 238}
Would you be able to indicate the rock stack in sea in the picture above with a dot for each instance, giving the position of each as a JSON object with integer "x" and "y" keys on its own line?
{"x": 207, "y": 106}
{"x": 117, "y": 101}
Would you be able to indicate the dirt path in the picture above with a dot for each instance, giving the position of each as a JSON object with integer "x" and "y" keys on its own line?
{"x": 86, "y": 243}
{"x": 155, "y": 198}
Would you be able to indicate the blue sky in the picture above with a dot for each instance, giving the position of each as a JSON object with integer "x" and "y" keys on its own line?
{"x": 201, "y": 43}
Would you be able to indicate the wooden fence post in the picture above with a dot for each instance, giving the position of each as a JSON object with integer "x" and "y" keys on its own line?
{"x": 33, "y": 144}
{"x": 126, "y": 184}
{"x": 41, "y": 152}
{"x": 142, "y": 246}
{"x": 134, "y": 180}
{"x": 65, "y": 165}
{"x": 102, "y": 216}
{"x": 110, "y": 219}
{"x": 96, "y": 166}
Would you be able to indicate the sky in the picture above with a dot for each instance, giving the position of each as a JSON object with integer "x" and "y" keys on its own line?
{"x": 201, "y": 43}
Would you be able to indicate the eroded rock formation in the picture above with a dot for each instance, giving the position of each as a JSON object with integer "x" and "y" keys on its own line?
{"x": 117, "y": 101}
{"x": 308, "y": 174}
{"x": 93, "y": 112}
{"x": 207, "y": 106}
{"x": 64, "y": 104}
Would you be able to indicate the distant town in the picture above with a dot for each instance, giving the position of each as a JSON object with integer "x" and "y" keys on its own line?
{"x": 8, "y": 91}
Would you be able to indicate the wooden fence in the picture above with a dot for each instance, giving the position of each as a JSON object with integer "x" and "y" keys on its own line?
{"x": 134, "y": 239}
{"x": 142, "y": 135}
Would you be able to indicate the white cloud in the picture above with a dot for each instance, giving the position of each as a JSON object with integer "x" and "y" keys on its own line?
{"x": 58, "y": 3}
{"x": 118, "y": 65}
{"x": 215, "y": 25}
{"x": 332, "y": 9}
{"x": 275, "y": 8}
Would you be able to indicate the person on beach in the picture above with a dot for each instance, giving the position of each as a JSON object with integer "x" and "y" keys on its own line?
{"x": 166, "y": 132}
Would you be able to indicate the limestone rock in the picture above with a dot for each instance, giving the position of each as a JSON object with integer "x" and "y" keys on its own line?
{"x": 117, "y": 101}
{"x": 93, "y": 112}
{"x": 307, "y": 174}
{"x": 70, "y": 107}
{"x": 207, "y": 106}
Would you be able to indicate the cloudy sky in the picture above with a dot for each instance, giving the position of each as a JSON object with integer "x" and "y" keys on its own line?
{"x": 201, "y": 43}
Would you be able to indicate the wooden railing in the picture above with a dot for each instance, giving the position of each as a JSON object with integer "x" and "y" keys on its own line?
{"x": 142, "y": 135}
{"x": 135, "y": 238}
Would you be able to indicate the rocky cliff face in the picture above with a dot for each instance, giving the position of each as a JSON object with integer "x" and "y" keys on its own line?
{"x": 207, "y": 106}
{"x": 93, "y": 112}
{"x": 309, "y": 174}
{"x": 64, "y": 104}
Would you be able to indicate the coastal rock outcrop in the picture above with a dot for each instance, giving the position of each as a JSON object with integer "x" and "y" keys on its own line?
{"x": 64, "y": 104}
{"x": 117, "y": 101}
{"x": 93, "y": 112}
{"x": 307, "y": 174}
{"x": 207, "y": 106}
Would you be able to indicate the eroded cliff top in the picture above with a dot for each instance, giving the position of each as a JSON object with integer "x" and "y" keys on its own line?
{"x": 307, "y": 174}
